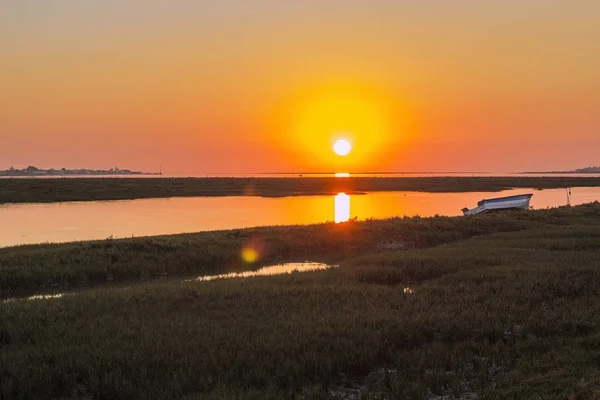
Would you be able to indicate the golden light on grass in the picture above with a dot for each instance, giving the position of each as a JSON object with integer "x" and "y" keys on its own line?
{"x": 342, "y": 208}
{"x": 342, "y": 147}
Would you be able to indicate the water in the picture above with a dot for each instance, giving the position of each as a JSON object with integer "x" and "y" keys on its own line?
{"x": 281, "y": 269}
{"x": 65, "y": 222}
{"x": 36, "y": 297}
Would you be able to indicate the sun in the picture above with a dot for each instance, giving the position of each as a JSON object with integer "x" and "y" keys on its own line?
{"x": 342, "y": 147}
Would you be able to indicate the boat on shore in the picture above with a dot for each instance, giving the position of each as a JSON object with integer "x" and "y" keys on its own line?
{"x": 518, "y": 202}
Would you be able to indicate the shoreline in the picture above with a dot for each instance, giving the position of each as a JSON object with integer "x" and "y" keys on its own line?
{"x": 51, "y": 190}
{"x": 418, "y": 308}
{"x": 89, "y": 261}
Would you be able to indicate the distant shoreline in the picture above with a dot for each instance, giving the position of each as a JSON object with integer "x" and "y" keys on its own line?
{"x": 40, "y": 190}
{"x": 560, "y": 173}
{"x": 33, "y": 172}
{"x": 588, "y": 170}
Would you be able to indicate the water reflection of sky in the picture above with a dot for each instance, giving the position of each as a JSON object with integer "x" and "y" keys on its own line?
{"x": 63, "y": 222}
{"x": 280, "y": 269}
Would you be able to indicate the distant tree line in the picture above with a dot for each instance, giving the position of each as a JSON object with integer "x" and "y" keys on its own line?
{"x": 34, "y": 171}
{"x": 588, "y": 170}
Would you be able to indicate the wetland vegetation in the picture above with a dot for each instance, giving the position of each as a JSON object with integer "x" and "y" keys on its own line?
{"x": 88, "y": 189}
{"x": 491, "y": 307}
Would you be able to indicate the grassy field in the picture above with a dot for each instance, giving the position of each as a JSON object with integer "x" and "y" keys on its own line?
{"x": 86, "y": 189}
{"x": 24, "y": 268}
{"x": 503, "y": 306}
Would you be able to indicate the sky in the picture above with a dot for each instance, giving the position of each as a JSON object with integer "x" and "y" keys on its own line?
{"x": 253, "y": 86}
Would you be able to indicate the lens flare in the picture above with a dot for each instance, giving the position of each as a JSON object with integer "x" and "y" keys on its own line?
{"x": 254, "y": 249}
{"x": 249, "y": 255}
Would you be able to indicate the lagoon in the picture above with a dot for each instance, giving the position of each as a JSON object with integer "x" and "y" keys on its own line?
{"x": 74, "y": 221}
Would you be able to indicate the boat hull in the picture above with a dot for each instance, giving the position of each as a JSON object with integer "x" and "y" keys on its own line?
{"x": 519, "y": 202}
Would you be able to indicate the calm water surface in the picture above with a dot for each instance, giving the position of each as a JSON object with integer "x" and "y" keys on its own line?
{"x": 280, "y": 269}
{"x": 65, "y": 222}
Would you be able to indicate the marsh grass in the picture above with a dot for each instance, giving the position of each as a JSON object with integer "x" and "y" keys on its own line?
{"x": 24, "y": 268}
{"x": 88, "y": 189}
{"x": 511, "y": 313}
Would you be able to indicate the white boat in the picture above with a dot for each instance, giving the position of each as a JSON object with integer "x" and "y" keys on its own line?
{"x": 520, "y": 201}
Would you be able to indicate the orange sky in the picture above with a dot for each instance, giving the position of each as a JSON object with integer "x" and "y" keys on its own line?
{"x": 267, "y": 85}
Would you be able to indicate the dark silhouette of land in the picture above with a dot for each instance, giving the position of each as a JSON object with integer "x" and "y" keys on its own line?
{"x": 34, "y": 171}
{"x": 587, "y": 170}
{"x": 89, "y": 189}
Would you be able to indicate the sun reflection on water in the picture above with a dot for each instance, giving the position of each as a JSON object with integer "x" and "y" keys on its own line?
{"x": 342, "y": 208}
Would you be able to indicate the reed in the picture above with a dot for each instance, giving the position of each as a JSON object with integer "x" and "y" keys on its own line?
{"x": 88, "y": 189}
{"x": 496, "y": 307}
